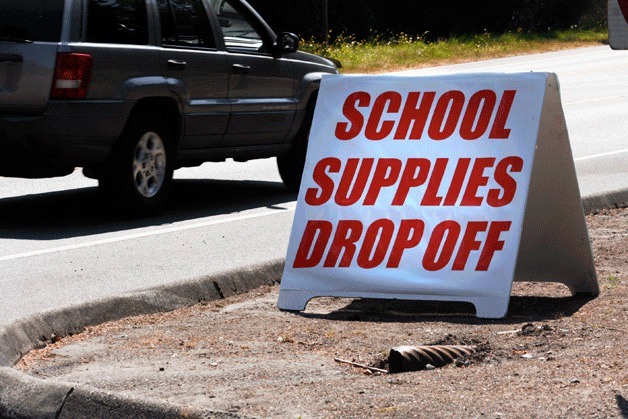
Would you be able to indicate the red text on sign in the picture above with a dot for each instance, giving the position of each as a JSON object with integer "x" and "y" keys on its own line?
{"x": 449, "y": 243}
{"x": 406, "y": 118}
{"x": 363, "y": 180}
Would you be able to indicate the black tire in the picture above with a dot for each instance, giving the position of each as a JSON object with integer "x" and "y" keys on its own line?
{"x": 291, "y": 164}
{"x": 138, "y": 175}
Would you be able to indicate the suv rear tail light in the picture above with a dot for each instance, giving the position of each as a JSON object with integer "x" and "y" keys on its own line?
{"x": 73, "y": 73}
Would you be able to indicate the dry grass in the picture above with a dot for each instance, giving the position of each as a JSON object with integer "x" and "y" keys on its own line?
{"x": 380, "y": 54}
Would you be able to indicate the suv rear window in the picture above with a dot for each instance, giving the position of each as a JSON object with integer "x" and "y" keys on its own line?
{"x": 117, "y": 22}
{"x": 31, "y": 20}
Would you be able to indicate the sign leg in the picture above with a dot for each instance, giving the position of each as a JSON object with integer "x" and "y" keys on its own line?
{"x": 490, "y": 307}
{"x": 293, "y": 300}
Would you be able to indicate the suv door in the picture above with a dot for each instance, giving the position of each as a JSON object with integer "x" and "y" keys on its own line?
{"x": 196, "y": 69}
{"x": 261, "y": 86}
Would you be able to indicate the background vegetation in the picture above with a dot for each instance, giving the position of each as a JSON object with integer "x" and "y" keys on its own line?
{"x": 378, "y": 35}
{"x": 381, "y": 54}
{"x": 430, "y": 19}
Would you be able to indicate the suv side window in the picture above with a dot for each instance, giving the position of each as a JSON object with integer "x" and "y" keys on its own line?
{"x": 117, "y": 22}
{"x": 239, "y": 33}
{"x": 185, "y": 23}
{"x": 39, "y": 20}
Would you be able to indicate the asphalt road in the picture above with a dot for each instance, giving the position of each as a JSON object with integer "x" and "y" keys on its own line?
{"x": 594, "y": 92}
{"x": 57, "y": 248}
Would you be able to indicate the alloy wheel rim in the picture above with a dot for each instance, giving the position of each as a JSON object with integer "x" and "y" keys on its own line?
{"x": 149, "y": 164}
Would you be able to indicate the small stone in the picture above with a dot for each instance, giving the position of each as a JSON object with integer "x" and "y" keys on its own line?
{"x": 528, "y": 329}
{"x": 462, "y": 362}
{"x": 527, "y": 356}
{"x": 430, "y": 367}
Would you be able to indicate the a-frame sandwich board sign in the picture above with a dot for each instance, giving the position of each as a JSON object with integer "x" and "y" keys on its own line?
{"x": 441, "y": 188}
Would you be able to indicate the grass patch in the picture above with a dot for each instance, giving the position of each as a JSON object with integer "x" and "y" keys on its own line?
{"x": 612, "y": 282}
{"x": 381, "y": 54}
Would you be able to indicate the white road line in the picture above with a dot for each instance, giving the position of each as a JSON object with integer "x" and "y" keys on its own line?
{"x": 595, "y": 156}
{"x": 601, "y": 99}
{"x": 289, "y": 207}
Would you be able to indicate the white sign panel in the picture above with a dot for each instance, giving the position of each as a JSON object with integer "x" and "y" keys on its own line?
{"x": 415, "y": 188}
{"x": 618, "y": 24}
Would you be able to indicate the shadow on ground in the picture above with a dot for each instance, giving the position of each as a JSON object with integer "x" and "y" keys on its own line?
{"x": 82, "y": 212}
{"x": 622, "y": 404}
{"x": 522, "y": 308}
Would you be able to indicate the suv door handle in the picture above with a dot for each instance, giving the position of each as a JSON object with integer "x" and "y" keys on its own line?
{"x": 241, "y": 69}
{"x": 177, "y": 65}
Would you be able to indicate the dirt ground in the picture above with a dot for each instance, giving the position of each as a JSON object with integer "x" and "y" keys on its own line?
{"x": 552, "y": 356}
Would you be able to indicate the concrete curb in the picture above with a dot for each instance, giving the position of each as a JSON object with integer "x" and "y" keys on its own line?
{"x": 30, "y": 397}
{"x": 23, "y": 396}
{"x": 612, "y": 199}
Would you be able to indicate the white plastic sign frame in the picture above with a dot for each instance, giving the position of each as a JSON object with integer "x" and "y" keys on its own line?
{"x": 437, "y": 188}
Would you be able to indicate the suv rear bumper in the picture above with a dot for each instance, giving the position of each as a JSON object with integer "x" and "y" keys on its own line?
{"x": 68, "y": 134}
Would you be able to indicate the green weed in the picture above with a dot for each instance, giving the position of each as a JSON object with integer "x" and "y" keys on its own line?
{"x": 612, "y": 282}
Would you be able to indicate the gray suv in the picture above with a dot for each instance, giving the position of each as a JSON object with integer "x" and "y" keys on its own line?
{"x": 131, "y": 90}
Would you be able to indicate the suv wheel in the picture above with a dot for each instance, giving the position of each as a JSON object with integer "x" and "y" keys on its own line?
{"x": 291, "y": 164}
{"x": 139, "y": 172}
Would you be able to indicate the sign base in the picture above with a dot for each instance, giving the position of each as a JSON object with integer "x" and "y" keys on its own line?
{"x": 485, "y": 307}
